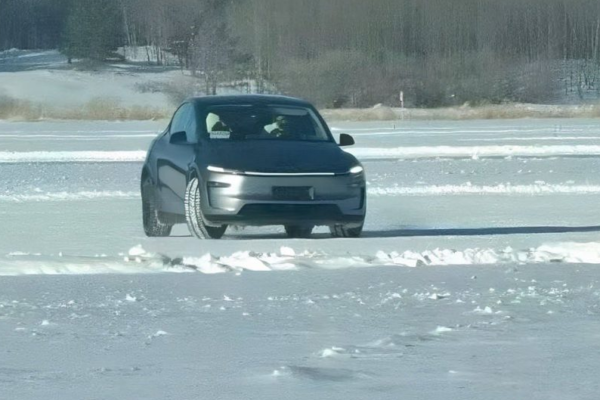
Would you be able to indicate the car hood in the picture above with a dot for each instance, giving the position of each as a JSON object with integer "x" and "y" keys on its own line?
{"x": 277, "y": 157}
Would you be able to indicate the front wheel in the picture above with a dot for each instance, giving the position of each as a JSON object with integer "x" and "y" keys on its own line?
{"x": 193, "y": 214}
{"x": 346, "y": 231}
{"x": 298, "y": 232}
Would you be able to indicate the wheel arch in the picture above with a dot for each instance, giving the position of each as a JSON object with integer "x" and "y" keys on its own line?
{"x": 193, "y": 172}
{"x": 145, "y": 173}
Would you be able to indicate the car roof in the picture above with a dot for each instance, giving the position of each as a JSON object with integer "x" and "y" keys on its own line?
{"x": 207, "y": 101}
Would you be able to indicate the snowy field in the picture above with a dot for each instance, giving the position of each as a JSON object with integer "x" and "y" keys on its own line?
{"x": 476, "y": 277}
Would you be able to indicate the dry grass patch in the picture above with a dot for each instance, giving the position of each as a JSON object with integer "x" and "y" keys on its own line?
{"x": 18, "y": 109}
{"x": 504, "y": 111}
{"x": 98, "y": 109}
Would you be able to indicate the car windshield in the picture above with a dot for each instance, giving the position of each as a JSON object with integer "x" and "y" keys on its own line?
{"x": 264, "y": 123}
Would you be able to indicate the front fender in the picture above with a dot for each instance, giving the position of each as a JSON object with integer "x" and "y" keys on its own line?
{"x": 150, "y": 168}
{"x": 194, "y": 172}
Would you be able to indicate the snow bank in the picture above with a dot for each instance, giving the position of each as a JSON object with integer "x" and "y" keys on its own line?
{"x": 67, "y": 196}
{"x": 474, "y": 152}
{"x": 470, "y": 189}
{"x": 71, "y": 156}
{"x": 138, "y": 261}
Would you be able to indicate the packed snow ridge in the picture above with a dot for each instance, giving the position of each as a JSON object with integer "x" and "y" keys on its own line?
{"x": 537, "y": 189}
{"x": 139, "y": 261}
{"x": 540, "y": 188}
{"x": 66, "y": 196}
{"x": 71, "y": 156}
{"x": 475, "y": 152}
{"x": 362, "y": 153}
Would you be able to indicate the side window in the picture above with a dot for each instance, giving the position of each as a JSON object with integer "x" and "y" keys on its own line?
{"x": 216, "y": 127}
{"x": 191, "y": 126}
{"x": 179, "y": 119}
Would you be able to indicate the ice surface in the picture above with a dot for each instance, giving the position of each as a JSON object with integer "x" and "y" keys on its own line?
{"x": 476, "y": 277}
{"x": 303, "y": 334}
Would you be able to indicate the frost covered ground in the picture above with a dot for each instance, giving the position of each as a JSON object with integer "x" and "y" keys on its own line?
{"x": 477, "y": 276}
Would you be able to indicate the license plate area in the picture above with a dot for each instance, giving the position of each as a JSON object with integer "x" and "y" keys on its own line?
{"x": 293, "y": 193}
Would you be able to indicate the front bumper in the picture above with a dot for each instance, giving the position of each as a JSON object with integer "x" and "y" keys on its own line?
{"x": 249, "y": 200}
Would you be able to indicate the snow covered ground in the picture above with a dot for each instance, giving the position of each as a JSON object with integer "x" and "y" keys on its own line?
{"x": 46, "y": 80}
{"x": 38, "y": 85}
{"x": 476, "y": 277}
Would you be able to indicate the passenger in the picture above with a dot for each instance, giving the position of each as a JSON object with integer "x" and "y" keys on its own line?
{"x": 216, "y": 128}
{"x": 279, "y": 128}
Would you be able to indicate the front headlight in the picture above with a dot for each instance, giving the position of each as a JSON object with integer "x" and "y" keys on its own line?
{"x": 357, "y": 170}
{"x": 215, "y": 169}
{"x": 220, "y": 170}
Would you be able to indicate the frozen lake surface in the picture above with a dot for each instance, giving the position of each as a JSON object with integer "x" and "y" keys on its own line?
{"x": 476, "y": 277}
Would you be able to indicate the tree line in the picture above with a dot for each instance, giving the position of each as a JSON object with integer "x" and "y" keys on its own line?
{"x": 337, "y": 52}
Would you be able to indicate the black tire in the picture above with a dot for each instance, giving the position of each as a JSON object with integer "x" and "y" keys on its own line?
{"x": 193, "y": 214}
{"x": 346, "y": 231}
{"x": 153, "y": 227}
{"x": 299, "y": 232}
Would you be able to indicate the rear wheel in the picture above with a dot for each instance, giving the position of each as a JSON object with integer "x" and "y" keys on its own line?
{"x": 346, "y": 231}
{"x": 193, "y": 214}
{"x": 153, "y": 227}
{"x": 298, "y": 232}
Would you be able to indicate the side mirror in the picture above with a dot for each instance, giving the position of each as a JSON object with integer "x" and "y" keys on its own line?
{"x": 346, "y": 140}
{"x": 178, "y": 138}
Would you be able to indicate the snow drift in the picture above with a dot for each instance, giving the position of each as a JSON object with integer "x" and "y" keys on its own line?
{"x": 138, "y": 261}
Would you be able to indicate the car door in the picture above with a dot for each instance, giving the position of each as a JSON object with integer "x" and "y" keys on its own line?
{"x": 175, "y": 159}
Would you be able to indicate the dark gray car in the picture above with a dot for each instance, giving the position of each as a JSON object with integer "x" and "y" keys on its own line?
{"x": 251, "y": 160}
